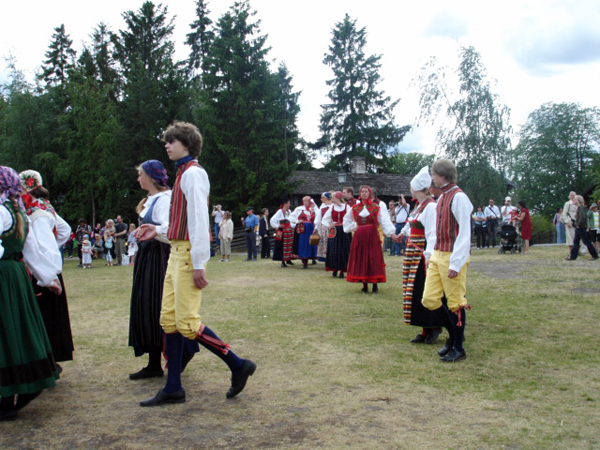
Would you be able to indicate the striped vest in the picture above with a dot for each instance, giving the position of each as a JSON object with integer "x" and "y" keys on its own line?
{"x": 447, "y": 226}
{"x": 178, "y": 220}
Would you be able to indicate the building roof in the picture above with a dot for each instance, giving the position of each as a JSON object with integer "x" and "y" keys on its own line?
{"x": 314, "y": 183}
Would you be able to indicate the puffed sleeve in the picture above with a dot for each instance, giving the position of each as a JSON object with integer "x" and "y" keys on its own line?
{"x": 326, "y": 219}
{"x": 39, "y": 263}
{"x": 276, "y": 218}
{"x": 160, "y": 215}
{"x": 349, "y": 223}
{"x": 429, "y": 221}
{"x": 63, "y": 231}
{"x": 196, "y": 188}
{"x": 42, "y": 227}
{"x": 386, "y": 223}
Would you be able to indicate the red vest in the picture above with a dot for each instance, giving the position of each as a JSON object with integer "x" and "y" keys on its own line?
{"x": 447, "y": 226}
{"x": 178, "y": 220}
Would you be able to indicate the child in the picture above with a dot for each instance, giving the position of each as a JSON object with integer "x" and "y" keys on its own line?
{"x": 86, "y": 251}
{"x": 108, "y": 243}
{"x": 132, "y": 246}
{"x": 226, "y": 235}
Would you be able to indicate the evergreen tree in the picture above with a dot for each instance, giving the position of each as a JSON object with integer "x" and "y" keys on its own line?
{"x": 359, "y": 121}
{"x": 248, "y": 115}
{"x": 60, "y": 59}
{"x": 200, "y": 38}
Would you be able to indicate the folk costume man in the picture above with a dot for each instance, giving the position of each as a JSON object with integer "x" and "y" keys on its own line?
{"x": 447, "y": 271}
{"x": 190, "y": 246}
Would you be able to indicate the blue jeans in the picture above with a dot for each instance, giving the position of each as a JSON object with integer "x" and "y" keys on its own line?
{"x": 217, "y": 240}
{"x": 397, "y": 248}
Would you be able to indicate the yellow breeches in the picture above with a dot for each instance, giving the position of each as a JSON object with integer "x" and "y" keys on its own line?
{"x": 181, "y": 298}
{"x": 437, "y": 283}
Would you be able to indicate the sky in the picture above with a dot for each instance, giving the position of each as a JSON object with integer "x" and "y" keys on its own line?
{"x": 535, "y": 51}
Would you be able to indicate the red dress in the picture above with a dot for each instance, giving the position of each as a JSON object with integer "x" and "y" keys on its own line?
{"x": 366, "y": 263}
{"x": 526, "y": 227}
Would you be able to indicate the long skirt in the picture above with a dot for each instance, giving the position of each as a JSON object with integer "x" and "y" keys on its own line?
{"x": 55, "y": 312}
{"x": 305, "y": 250}
{"x": 26, "y": 360}
{"x": 282, "y": 249}
{"x": 145, "y": 332}
{"x": 413, "y": 285}
{"x": 366, "y": 263}
{"x": 322, "y": 247}
{"x": 338, "y": 250}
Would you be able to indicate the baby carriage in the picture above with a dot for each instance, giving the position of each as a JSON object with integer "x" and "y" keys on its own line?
{"x": 508, "y": 239}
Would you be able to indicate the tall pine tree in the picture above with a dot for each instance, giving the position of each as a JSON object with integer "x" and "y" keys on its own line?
{"x": 359, "y": 120}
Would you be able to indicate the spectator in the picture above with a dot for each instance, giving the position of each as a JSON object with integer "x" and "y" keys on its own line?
{"x": 524, "y": 219}
{"x": 492, "y": 215}
{"x": 507, "y": 211}
{"x": 120, "y": 239}
{"x": 388, "y": 244}
{"x": 226, "y": 236}
{"x": 98, "y": 249}
{"x": 132, "y": 246}
{"x": 265, "y": 246}
{"x": 86, "y": 251}
{"x": 560, "y": 226}
{"x": 593, "y": 218}
{"x": 109, "y": 242}
{"x": 581, "y": 232}
{"x": 401, "y": 216}
{"x": 480, "y": 220}
{"x": 82, "y": 230}
{"x": 568, "y": 218}
{"x": 250, "y": 224}
{"x": 218, "y": 215}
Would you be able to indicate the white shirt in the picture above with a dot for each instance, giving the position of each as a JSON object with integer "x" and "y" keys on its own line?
{"x": 294, "y": 217}
{"x": 492, "y": 212}
{"x": 42, "y": 225}
{"x": 160, "y": 213}
{"x": 506, "y": 210}
{"x": 41, "y": 266}
{"x": 402, "y": 212}
{"x": 196, "y": 188}
{"x": 327, "y": 220}
{"x": 429, "y": 220}
{"x": 323, "y": 206}
{"x": 382, "y": 217}
{"x": 279, "y": 215}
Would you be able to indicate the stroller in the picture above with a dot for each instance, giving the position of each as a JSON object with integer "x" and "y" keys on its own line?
{"x": 509, "y": 240}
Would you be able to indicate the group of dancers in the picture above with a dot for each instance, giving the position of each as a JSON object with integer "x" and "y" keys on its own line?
{"x": 169, "y": 276}
{"x": 350, "y": 233}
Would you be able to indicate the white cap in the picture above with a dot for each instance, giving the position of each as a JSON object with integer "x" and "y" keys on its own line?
{"x": 422, "y": 180}
{"x": 507, "y": 199}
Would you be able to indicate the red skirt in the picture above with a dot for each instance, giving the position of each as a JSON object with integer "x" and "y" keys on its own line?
{"x": 366, "y": 263}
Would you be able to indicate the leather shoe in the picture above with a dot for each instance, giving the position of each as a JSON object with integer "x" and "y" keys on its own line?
{"x": 8, "y": 415}
{"x": 443, "y": 351}
{"x": 25, "y": 399}
{"x": 238, "y": 381}
{"x": 146, "y": 373}
{"x": 432, "y": 335}
{"x": 418, "y": 339}
{"x": 454, "y": 355}
{"x": 162, "y": 398}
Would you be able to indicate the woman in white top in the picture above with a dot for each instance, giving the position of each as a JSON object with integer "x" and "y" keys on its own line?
{"x": 338, "y": 242}
{"x": 284, "y": 235}
{"x": 145, "y": 332}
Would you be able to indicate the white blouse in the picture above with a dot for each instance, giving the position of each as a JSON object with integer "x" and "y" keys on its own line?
{"x": 160, "y": 213}
{"x": 383, "y": 218}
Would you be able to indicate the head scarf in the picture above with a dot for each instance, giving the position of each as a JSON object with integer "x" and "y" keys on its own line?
{"x": 422, "y": 180}
{"x": 10, "y": 185}
{"x": 155, "y": 170}
{"x": 30, "y": 179}
{"x": 326, "y": 195}
{"x": 338, "y": 195}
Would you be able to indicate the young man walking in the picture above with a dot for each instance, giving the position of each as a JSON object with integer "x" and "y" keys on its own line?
{"x": 185, "y": 278}
{"x": 447, "y": 271}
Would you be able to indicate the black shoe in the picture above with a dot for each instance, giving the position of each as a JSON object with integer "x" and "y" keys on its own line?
{"x": 443, "y": 351}
{"x": 365, "y": 290}
{"x": 238, "y": 382}
{"x": 454, "y": 355}
{"x": 334, "y": 274}
{"x": 164, "y": 399}
{"x": 432, "y": 335}
{"x": 283, "y": 264}
{"x": 8, "y": 415}
{"x": 314, "y": 262}
{"x": 418, "y": 339}
{"x": 304, "y": 266}
{"x": 341, "y": 275}
{"x": 25, "y": 399}
{"x": 146, "y": 373}
{"x": 375, "y": 289}
{"x": 59, "y": 368}
{"x": 289, "y": 263}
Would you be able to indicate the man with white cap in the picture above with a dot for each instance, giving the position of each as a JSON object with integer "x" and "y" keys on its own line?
{"x": 506, "y": 211}
{"x": 447, "y": 271}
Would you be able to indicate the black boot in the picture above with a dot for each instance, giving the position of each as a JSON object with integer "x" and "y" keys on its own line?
{"x": 445, "y": 316}
{"x": 457, "y": 352}
{"x": 375, "y": 288}
{"x": 8, "y": 411}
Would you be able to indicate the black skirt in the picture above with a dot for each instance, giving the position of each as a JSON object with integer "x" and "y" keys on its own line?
{"x": 145, "y": 332}
{"x": 55, "y": 312}
{"x": 338, "y": 249}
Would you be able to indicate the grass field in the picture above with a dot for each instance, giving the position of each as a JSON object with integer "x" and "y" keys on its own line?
{"x": 335, "y": 369}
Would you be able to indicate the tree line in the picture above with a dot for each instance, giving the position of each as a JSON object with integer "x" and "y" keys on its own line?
{"x": 93, "y": 115}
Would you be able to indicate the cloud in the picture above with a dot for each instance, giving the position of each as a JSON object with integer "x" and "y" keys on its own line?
{"x": 547, "y": 45}
{"x": 446, "y": 24}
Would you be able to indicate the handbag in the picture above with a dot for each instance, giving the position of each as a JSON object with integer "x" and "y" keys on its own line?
{"x": 314, "y": 239}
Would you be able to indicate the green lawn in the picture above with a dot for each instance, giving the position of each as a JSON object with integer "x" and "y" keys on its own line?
{"x": 335, "y": 369}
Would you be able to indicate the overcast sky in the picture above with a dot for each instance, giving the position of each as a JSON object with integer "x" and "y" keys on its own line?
{"x": 538, "y": 50}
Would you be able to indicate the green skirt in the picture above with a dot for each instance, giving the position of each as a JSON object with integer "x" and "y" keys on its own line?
{"x": 26, "y": 361}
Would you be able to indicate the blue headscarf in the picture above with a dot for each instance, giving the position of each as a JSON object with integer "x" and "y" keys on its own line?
{"x": 155, "y": 170}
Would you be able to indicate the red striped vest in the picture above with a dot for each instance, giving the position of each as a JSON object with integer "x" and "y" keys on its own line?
{"x": 447, "y": 226}
{"x": 178, "y": 220}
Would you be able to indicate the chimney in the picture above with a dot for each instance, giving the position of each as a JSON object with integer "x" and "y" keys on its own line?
{"x": 358, "y": 165}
